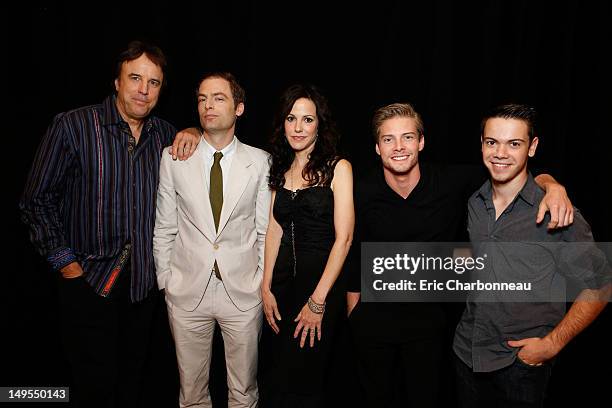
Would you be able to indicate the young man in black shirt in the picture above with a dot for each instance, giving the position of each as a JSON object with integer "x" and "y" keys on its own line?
{"x": 410, "y": 202}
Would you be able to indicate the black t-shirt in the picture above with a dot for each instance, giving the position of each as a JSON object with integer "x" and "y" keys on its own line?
{"x": 435, "y": 211}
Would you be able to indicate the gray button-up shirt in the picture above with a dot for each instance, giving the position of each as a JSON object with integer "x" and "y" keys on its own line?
{"x": 518, "y": 249}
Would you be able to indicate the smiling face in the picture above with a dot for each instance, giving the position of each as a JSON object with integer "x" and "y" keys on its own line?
{"x": 138, "y": 87}
{"x": 216, "y": 107}
{"x": 506, "y": 148}
{"x": 399, "y": 145}
{"x": 301, "y": 125}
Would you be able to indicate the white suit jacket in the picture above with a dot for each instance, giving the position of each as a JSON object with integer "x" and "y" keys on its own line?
{"x": 185, "y": 244}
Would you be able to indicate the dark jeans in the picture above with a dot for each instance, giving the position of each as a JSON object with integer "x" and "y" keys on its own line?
{"x": 518, "y": 385}
{"x": 416, "y": 361}
{"x": 106, "y": 342}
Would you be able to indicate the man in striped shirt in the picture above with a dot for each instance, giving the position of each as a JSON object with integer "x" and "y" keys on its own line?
{"x": 89, "y": 202}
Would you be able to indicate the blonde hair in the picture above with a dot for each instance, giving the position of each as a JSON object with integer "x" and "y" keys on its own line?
{"x": 394, "y": 110}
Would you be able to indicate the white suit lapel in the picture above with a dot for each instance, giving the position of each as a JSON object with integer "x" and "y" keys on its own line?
{"x": 203, "y": 216}
{"x": 236, "y": 184}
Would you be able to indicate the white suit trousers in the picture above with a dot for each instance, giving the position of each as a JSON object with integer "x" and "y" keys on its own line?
{"x": 193, "y": 335}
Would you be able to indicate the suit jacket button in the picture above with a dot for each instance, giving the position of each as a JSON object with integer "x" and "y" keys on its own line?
{"x": 216, "y": 246}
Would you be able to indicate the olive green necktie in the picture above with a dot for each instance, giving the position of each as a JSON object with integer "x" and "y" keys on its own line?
{"x": 216, "y": 195}
{"x": 216, "y": 188}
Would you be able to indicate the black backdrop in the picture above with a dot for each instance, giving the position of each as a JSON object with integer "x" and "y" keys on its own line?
{"x": 452, "y": 60}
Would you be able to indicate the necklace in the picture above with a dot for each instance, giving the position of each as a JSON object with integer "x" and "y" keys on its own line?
{"x": 293, "y": 195}
{"x": 293, "y": 192}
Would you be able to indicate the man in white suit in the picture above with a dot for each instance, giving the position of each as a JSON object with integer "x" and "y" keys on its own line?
{"x": 212, "y": 215}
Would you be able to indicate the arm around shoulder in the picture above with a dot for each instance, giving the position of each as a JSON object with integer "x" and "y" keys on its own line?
{"x": 556, "y": 202}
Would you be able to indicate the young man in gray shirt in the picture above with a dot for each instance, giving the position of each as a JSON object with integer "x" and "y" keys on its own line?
{"x": 505, "y": 348}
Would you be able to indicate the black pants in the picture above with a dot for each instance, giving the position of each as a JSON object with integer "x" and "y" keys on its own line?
{"x": 417, "y": 363}
{"x": 516, "y": 386}
{"x": 106, "y": 342}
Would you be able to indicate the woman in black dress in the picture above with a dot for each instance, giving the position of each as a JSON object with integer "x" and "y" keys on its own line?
{"x": 308, "y": 237}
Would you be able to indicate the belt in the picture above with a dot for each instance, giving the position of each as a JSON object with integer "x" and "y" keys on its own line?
{"x": 215, "y": 270}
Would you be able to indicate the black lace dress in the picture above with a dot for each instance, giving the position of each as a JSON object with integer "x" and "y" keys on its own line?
{"x": 288, "y": 372}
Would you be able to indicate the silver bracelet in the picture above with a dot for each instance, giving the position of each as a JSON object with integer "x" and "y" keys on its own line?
{"x": 315, "y": 307}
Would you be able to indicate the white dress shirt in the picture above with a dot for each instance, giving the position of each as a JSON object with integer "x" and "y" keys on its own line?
{"x": 226, "y": 161}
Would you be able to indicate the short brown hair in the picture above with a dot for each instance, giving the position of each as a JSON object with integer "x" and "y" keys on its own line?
{"x": 135, "y": 49}
{"x": 517, "y": 111}
{"x": 238, "y": 93}
{"x": 394, "y": 110}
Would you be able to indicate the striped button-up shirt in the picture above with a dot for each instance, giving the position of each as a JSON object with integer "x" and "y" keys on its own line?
{"x": 90, "y": 195}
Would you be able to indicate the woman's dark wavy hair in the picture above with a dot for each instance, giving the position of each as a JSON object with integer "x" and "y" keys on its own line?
{"x": 320, "y": 167}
